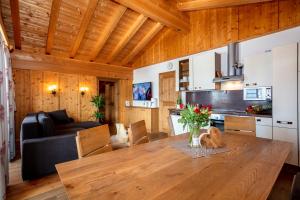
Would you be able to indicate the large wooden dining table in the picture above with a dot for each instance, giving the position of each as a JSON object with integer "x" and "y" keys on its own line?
{"x": 157, "y": 170}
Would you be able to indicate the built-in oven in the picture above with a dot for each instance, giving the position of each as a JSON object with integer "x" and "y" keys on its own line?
{"x": 258, "y": 93}
{"x": 217, "y": 120}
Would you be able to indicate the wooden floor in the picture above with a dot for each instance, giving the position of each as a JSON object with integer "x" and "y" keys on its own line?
{"x": 50, "y": 188}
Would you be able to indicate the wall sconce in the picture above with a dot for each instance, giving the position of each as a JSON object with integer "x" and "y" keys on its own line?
{"x": 83, "y": 90}
{"x": 52, "y": 89}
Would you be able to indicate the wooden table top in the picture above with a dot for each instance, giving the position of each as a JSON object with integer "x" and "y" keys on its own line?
{"x": 159, "y": 171}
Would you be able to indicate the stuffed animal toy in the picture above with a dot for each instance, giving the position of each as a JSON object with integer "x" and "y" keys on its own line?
{"x": 211, "y": 139}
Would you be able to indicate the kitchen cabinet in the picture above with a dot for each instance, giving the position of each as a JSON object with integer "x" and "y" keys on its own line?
{"x": 258, "y": 70}
{"x": 285, "y": 86}
{"x": 264, "y": 127}
{"x": 285, "y": 104}
{"x": 178, "y": 127}
{"x": 288, "y": 135}
{"x": 203, "y": 69}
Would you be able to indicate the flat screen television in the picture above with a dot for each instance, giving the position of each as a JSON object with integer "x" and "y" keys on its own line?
{"x": 142, "y": 91}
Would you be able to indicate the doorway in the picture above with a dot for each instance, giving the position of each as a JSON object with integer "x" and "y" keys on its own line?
{"x": 167, "y": 99}
{"x": 108, "y": 89}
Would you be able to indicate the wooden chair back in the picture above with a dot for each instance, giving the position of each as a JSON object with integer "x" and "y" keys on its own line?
{"x": 137, "y": 133}
{"x": 172, "y": 131}
{"x": 242, "y": 125}
{"x": 93, "y": 141}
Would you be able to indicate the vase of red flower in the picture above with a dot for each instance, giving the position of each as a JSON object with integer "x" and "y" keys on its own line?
{"x": 195, "y": 118}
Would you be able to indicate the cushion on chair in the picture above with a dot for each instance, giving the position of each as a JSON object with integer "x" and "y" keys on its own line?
{"x": 59, "y": 116}
{"x": 47, "y": 124}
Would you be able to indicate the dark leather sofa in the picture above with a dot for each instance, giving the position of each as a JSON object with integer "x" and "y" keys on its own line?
{"x": 48, "y": 139}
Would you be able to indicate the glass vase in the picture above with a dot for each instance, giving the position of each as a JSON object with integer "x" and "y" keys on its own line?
{"x": 194, "y": 136}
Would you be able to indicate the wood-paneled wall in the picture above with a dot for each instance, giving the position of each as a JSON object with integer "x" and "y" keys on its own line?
{"x": 32, "y": 95}
{"x": 125, "y": 94}
{"x": 214, "y": 28}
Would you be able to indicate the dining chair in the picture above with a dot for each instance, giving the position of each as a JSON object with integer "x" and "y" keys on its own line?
{"x": 137, "y": 133}
{"x": 93, "y": 141}
{"x": 295, "y": 191}
{"x": 242, "y": 125}
{"x": 171, "y": 126}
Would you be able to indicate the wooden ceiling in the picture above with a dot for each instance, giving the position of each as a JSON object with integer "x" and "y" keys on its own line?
{"x": 100, "y": 31}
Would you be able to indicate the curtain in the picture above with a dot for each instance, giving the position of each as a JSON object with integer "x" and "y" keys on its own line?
{"x": 7, "y": 107}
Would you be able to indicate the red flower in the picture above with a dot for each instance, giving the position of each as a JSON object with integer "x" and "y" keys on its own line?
{"x": 196, "y": 110}
{"x": 181, "y": 106}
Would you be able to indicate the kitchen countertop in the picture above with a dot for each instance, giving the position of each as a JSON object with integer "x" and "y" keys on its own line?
{"x": 227, "y": 112}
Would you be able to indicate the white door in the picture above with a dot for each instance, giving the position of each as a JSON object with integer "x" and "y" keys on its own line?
{"x": 288, "y": 135}
{"x": 258, "y": 70}
{"x": 285, "y": 86}
{"x": 204, "y": 66}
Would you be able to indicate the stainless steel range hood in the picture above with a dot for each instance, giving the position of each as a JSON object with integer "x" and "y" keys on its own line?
{"x": 234, "y": 67}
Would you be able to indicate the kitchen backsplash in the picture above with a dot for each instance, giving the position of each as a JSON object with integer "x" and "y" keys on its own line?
{"x": 221, "y": 99}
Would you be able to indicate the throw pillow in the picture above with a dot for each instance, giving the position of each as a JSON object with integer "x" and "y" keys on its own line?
{"x": 59, "y": 116}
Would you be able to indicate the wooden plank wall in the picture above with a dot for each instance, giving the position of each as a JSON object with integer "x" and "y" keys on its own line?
{"x": 31, "y": 94}
{"x": 124, "y": 94}
{"x": 214, "y": 28}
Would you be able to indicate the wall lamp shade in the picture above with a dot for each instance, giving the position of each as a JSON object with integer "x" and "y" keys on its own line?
{"x": 52, "y": 89}
{"x": 83, "y": 90}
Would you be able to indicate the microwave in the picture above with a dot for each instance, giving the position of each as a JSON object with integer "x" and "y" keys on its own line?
{"x": 258, "y": 93}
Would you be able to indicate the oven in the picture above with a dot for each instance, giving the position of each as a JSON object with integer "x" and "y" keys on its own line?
{"x": 217, "y": 120}
{"x": 258, "y": 94}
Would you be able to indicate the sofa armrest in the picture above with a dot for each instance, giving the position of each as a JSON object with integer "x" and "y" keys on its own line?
{"x": 39, "y": 156}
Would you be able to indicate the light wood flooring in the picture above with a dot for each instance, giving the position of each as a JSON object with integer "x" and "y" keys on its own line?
{"x": 50, "y": 188}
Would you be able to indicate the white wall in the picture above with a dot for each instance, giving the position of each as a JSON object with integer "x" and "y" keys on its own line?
{"x": 247, "y": 48}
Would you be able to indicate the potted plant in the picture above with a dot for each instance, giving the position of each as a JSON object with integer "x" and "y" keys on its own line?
{"x": 99, "y": 102}
{"x": 195, "y": 117}
{"x": 179, "y": 104}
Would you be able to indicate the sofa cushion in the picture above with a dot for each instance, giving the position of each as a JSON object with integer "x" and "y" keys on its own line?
{"x": 47, "y": 124}
{"x": 85, "y": 125}
{"x": 59, "y": 116}
{"x": 68, "y": 131}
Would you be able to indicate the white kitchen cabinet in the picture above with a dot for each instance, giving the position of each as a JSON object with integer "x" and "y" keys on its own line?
{"x": 285, "y": 86}
{"x": 258, "y": 70}
{"x": 288, "y": 135}
{"x": 203, "y": 70}
{"x": 264, "y": 127}
{"x": 178, "y": 127}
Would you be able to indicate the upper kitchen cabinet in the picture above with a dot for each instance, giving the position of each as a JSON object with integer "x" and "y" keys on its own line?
{"x": 258, "y": 70}
{"x": 183, "y": 75}
{"x": 285, "y": 86}
{"x": 203, "y": 71}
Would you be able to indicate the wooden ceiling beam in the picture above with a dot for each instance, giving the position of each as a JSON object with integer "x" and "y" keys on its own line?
{"x": 106, "y": 32}
{"x": 158, "y": 13}
{"x": 192, "y": 5}
{"x": 15, "y": 16}
{"x": 83, "y": 26}
{"x": 23, "y": 60}
{"x": 127, "y": 37}
{"x": 141, "y": 45}
{"x": 52, "y": 25}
